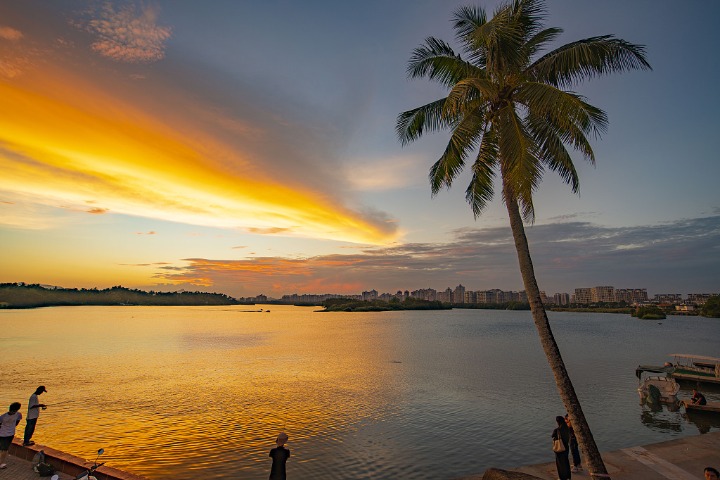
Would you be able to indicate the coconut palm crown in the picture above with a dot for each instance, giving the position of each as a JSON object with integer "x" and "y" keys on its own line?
{"x": 510, "y": 110}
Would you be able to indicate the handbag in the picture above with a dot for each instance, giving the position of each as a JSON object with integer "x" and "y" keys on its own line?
{"x": 558, "y": 445}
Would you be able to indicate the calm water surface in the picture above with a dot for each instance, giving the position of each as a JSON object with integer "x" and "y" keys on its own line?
{"x": 186, "y": 393}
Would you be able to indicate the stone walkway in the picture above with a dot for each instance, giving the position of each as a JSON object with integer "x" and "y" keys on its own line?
{"x": 19, "y": 469}
{"x": 681, "y": 459}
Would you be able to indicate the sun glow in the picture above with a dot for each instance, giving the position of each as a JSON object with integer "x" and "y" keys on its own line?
{"x": 65, "y": 142}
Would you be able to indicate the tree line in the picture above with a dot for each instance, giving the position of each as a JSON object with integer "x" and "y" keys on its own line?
{"x": 17, "y": 295}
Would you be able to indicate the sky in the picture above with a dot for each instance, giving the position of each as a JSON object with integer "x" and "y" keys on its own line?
{"x": 249, "y": 148}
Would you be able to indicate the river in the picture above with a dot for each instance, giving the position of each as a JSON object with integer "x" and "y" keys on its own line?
{"x": 201, "y": 392}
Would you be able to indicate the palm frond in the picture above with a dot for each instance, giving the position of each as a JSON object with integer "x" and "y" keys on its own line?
{"x": 529, "y": 15}
{"x": 540, "y": 39}
{"x": 552, "y": 151}
{"x": 519, "y": 164}
{"x": 467, "y": 94}
{"x": 465, "y": 138}
{"x": 480, "y": 191}
{"x": 588, "y": 58}
{"x": 566, "y": 109}
{"x": 412, "y": 124}
{"x": 437, "y": 61}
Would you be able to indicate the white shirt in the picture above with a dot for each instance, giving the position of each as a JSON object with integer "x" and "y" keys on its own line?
{"x": 8, "y": 423}
{"x": 33, "y": 412}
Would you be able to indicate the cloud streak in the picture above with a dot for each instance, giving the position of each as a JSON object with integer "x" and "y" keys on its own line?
{"x": 566, "y": 256}
{"x": 71, "y": 143}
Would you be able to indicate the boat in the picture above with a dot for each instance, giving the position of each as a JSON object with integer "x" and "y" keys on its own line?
{"x": 687, "y": 367}
{"x": 658, "y": 389}
{"x": 710, "y": 407}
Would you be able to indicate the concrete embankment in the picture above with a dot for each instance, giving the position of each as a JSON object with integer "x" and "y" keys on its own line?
{"x": 66, "y": 465}
{"x": 680, "y": 459}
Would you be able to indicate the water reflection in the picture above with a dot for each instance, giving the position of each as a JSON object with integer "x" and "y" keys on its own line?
{"x": 703, "y": 421}
{"x": 187, "y": 393}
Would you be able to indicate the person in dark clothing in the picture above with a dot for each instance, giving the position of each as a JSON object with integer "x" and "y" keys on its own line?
{"x": 562, "y": 460}
{"x": 34, "y": 407}
{"x": 279, "y": 454}
{"x": 698, "y": 398}
{"x": 574, "y": 448}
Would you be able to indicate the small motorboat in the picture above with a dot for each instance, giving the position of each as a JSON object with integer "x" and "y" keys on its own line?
{"x": 658, "y": 389}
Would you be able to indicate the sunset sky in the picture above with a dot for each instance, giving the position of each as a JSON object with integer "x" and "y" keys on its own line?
{"x": 249, "y": 147}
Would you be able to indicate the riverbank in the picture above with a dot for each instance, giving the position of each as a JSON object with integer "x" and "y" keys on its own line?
{"x": 680, "y": 459}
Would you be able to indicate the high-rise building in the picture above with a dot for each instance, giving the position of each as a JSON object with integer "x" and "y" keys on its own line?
{"x": 582, "y": 296}
{"x": 603, "y": 294}
{"x": 561, "y": 298}
{"x": 459, "y": 294}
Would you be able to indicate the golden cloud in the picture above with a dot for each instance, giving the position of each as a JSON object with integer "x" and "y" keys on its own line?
{"x": 66, "y": 141}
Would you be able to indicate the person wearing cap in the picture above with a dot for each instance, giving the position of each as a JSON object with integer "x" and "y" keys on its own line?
{"x": 34, "y": 407}
{"x": 279, "y": 454}
{"x": 8, "y": 422}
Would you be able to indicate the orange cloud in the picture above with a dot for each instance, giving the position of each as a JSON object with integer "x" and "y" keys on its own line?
{"x": 97, "y": 211}
{"x": 129, "y": 34}
{"x": 68, "y": 141}
{"x": 9, "y": 33}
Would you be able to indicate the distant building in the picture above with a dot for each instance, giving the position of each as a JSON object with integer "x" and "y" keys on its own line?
{"x": 561, "y": 299}
{"x": 370, "y": 296}
{"x": 668, "y": 298}
{"x": 446, "y": 296}
{"x": 631, "y": 295}
{"x": 604, "y": 294}
{"x": 470, "y": 296}
{"x": 699, "y": 298}
{"x": 458, "y": 294}
{"x": 428, "y": 294}
{"x": 582, "y": 296}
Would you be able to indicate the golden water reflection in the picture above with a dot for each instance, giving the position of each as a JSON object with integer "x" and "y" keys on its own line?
{"x": 200, "y": 384}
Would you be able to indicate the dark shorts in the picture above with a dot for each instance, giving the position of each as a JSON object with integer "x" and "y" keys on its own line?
{"x": 5, "y": 443}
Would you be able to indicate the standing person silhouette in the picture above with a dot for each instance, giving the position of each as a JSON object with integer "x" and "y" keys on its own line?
{"x": 562, "y": 460}
{"x": 8, "y": 422}
{"x": 34, "y": 407}
{"x": 574, "y": 449}
{"x": 279, "y": 454}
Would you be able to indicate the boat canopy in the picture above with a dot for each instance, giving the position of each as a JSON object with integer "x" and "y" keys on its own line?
{"x": 654, "y": 369}
{"x": 701, "y": 358}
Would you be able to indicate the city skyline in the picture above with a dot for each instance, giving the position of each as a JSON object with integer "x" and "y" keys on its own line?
{"x": 247, "y": 148}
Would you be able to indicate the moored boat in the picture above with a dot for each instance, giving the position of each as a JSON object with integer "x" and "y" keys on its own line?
{"x": 687, "y": 367}
{"x": 658, "y": 389}
{"x": 710, "y": 407}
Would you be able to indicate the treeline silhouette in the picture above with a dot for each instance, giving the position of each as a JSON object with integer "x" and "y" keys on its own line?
{"x": 19, "y": 295}
{"x": 352, "y": 305}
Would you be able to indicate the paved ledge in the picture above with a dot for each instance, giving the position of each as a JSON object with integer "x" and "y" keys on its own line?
{"x": 681, "y": 459}
{"x": 66, "y": 465}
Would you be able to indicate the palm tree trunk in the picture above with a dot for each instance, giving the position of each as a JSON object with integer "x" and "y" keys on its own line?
{"x": 593, "y": 460}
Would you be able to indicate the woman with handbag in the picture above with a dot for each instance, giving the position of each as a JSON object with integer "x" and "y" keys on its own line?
{"x": 561, "y": 444}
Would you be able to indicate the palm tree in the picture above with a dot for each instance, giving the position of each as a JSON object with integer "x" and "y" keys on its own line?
{"x": 510, "y": 108}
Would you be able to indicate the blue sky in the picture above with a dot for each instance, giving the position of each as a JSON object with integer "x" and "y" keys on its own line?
{"x": 249, "y": 147}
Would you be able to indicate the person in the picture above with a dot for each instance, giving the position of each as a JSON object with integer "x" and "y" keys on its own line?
{"x": 711, "y": 473}
{"x": 34, "y": 407}
{"x": 698, "y": 398}
{"x": 279, "y": 454}
{"x": 562, "y": 461}
{"x": 574, "y": 450}
{"x": 8, "y": 422}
